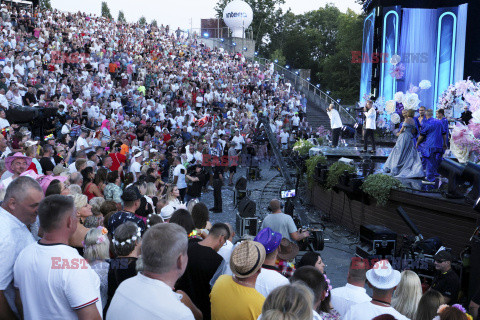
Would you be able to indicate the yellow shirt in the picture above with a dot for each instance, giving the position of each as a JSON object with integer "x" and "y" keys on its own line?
{"x": 235, "y": 302}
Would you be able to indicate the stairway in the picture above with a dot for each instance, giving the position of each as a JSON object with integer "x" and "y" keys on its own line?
{"x": 316, "y": 117}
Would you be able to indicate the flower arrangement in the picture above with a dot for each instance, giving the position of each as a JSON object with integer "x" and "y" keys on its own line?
{"x": 465, "y": 140}
{"x": 335, "y": 171}
{"x": 302, "y": 147}
{"x": 379, "y": 186}
{"x": 397, "y": 71}
{"x": 311, "y": 164}
{"x": 465, "y": 92}
{"x": 323, "y": 135}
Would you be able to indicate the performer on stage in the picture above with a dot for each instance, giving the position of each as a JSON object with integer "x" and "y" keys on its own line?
{"x": 370, "y": 125}
{"x": 466, "y": 115}
{"x": 419, "y": 120}
{"x": 335, "y": 124}
{"x": 404, "y": 161}
{"x": 435, "y": 142}
{"x": 444, "y": 123}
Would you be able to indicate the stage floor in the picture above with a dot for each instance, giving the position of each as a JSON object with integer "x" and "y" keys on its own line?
{"x": 378, "y": 158}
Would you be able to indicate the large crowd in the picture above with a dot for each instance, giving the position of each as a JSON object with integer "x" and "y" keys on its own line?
{"x": 101, "y": 213}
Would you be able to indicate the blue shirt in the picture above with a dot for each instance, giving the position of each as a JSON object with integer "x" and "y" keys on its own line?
{"x": 433, "y": 131}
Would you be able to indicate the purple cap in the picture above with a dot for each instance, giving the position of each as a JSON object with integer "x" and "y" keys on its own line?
{"x": 269, "y": 238}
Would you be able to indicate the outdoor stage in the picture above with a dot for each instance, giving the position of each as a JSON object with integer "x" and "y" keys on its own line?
{"x": 452, "y": 220}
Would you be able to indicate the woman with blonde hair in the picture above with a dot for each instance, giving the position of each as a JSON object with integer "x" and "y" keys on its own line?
{"x": 173, "y": 195}
{"x": 289, "y": 302}
{"x": 408, "y": 294}
{"x": 83, "y": 210}
{"x": 96, "y": 252}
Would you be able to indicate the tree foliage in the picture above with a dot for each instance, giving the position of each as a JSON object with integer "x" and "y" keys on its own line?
{"x": 154, "y": 23}
{"x": 142, "y": 21}
{"x": 106, "y": 10}
{"x": 121, "y": 16}
{"x": 45, "y": 5}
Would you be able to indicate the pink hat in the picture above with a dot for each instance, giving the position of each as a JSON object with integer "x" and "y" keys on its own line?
{"x": 18, "y": 155}
{"x": 46, "y": 180}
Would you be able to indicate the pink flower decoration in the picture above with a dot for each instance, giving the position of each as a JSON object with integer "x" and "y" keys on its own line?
{"x": 413, "y": 89}
{"x": 398, "y": 71}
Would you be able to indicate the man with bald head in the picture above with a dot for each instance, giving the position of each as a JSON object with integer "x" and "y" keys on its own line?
{"x": 282, "y": 223}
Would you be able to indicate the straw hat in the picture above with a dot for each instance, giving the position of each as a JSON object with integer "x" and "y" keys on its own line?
{"x": 247, "y": 258}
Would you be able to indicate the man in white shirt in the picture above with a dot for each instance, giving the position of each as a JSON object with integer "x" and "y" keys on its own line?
{"x": 179, "y": 177}
{"x": 284, "y": 139}
{"x": 69, "y": 288}
{"x": 383, "y": 280}
{"x": 17, "y": 212}
{"x": 164, "y": 253}
{"x": 136, "y": 166}
{"x": 370, "y": 125}
{"x": 335, "y": 124}
{"x": 3, "y": 121}
{"x": 353, "y": 292}
{"x": 82, "y": 142}
{"x": 239, "y": 141}
{"x": 270, "y": 277}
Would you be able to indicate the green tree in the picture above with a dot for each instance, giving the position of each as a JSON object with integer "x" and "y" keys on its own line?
{"x": 142, "y": 21}
{"x": 154, "y": 23}
{"x": 45, "y": 5}
{"x": 121, "y": 16}
{"x": 265, "y": 15}
{"x": 278, "y": 55}
{"x": 106, "y": 10}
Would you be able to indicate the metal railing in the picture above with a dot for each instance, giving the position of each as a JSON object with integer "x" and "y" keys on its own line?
{"x": 305, "y": 86}
{"x": 220, "y": 33}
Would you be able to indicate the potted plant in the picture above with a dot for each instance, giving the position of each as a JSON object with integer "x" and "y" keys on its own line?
{"x": 311, "y": 165}
{"x": 378, "y": 186}
{"x": 335, "y": 171}
{"x": 302, "y": 147}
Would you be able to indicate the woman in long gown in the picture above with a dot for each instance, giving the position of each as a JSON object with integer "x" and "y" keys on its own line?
{"x": 404, "y": 160}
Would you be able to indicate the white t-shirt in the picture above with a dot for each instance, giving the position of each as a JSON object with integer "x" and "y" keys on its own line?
{"x": 15, "y": 237}
{"x": 239, "y": 142}
{"x": 135, "y": 167}
{"x": 335, "y": 120}
{"x": 268, "y": 280}
{"x": 177, "y": 172}
{"x": 82, "y": 142}
{"x": 368, "y": 311}
{"x": 4, "y": 123}
{"x": 284, "y": 137}
{"x": 141, "y": 297}
{"x": 54, "y": 281}
{"x": 345, "y": 297}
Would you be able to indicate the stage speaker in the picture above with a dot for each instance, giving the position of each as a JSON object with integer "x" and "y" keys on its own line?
{"x": 247, "y": 208}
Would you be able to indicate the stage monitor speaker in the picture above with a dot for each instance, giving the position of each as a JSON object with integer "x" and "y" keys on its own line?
{"x": 247, "y": 208}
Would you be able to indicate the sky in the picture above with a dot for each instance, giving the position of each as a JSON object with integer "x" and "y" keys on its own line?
{"x": 182, "y": 13}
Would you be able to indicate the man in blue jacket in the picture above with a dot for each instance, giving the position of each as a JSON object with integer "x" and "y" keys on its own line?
{"x": 433, "y": 136}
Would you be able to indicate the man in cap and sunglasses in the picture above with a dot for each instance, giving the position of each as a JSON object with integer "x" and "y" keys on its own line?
{"x": 446, "y": 281}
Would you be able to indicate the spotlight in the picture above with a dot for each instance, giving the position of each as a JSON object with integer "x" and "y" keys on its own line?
{"x": 318, "y": 85}
{"x": 223, "y": 40}
{"x": 297, "y": 73}
{"x": 287, "y": 66}
{"x": 234, "y": 44}
{"x": 338, "y": 100}
{"x": 308, "y": 79}
{"x": 256, "y": 53}
{"x": 206, "y": 35}
{"x": 276, "y": 61}
{"x": 245, "y": 48}
{"x": 328, "y": 92}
